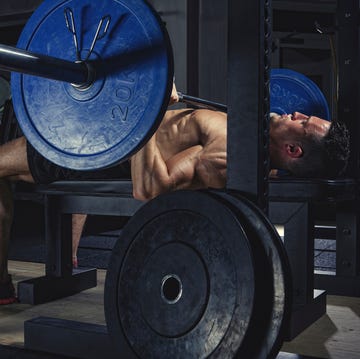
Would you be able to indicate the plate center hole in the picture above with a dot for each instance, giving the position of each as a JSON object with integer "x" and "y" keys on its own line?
{"x": 171, "y": 288}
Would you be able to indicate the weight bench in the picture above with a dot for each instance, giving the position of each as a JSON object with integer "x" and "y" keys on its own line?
{"x": 60, "y": 200}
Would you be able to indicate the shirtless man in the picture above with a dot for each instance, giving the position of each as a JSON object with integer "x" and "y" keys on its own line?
{"x": 187, "y": 151}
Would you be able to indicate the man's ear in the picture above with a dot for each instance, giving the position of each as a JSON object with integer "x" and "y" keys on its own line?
{"x": 293, "y": 150}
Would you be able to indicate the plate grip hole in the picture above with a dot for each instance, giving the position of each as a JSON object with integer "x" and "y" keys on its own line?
{"x": 171, "y": 288}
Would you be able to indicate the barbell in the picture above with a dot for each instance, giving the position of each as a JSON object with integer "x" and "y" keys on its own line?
{"x": 91, "y": 81}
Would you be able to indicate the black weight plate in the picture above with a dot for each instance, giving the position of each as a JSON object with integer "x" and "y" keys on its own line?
{"x": 182, "y": 281}
{"x": 107, "y": 122}
{"x": 258, "y": 228}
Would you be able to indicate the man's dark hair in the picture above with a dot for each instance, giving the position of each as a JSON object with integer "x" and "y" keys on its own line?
{"x": 325, "y": 157}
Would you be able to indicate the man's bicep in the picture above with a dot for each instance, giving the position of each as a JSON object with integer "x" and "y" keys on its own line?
{"x": 151, "y": 178}
{"x": 196, "y": 168}
{"x": 211, "y": 171}
{"x": 182, "y": 168}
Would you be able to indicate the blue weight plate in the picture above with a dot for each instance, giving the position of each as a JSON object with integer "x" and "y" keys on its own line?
{"x": 291, "y": 91}
{"x": 106, "y": 123}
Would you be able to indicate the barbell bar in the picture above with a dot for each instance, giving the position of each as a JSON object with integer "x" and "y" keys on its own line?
{"x": 196, "y": 101}
{"x": 27, "y": 62}
{"x": 80, "y": 73}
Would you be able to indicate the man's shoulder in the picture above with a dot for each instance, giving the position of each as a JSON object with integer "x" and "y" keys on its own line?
{"x": 202, "y": 120}
{"x": 211, "y": 121}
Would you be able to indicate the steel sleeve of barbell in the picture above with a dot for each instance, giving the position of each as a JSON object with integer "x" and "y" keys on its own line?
{"x": 26, "y": 62}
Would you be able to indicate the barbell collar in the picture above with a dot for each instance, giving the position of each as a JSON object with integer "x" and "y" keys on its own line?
{"x": 79, "y": 73}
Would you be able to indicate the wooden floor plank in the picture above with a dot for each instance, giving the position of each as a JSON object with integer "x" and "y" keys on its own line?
{"x": 335, "y": 336}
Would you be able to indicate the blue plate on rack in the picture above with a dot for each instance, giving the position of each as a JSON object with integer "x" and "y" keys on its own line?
{"x": 291, "y": 92}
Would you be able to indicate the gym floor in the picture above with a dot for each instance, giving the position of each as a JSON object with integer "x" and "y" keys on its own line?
{"x": 335, "y": 335}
